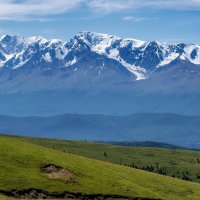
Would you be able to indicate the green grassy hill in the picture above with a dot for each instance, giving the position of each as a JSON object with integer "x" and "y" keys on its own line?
{"x": 22, "y": 164}
{"x": 5, "y": 198}
{"x": 183, "y": 164}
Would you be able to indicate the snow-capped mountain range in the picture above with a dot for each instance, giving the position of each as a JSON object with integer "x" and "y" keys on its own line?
{"x": 97, "y": 73}
{"x": 95, "y": 55}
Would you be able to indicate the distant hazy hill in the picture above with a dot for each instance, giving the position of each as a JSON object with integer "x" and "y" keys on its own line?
{"x": 167, "y": 128}
{"x": 142, "y": 144}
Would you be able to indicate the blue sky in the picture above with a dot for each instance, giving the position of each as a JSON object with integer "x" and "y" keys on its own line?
{"x": 162, "y": 20}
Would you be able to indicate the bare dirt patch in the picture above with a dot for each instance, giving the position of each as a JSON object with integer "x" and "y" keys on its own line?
{"x": 57, "y": 172}
{"x": 40, "y": 194}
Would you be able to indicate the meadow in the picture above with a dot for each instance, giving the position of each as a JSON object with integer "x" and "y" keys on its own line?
{"x": 21, "y": 170}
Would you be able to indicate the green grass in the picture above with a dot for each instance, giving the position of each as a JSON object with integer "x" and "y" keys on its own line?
{"x": 175, "y": 162}
{"x": 20, "y": 164}
{"x": 5, "y": 198}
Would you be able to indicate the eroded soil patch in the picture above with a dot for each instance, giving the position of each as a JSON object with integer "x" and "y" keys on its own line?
{"x": 57, "y": 172}
{"x": 40, "y": 194}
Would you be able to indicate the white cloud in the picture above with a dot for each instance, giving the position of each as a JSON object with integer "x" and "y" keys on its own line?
{"x": 23, "y": 9}
{"x": 109, "y": 6}
{"x": 15, "y": 10}
{"x": 134, "y": 19}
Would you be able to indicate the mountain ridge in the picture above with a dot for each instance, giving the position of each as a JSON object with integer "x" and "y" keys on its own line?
{"x": 97, "y": 73}
{"x": 169, "y": 128}
{"x": 139, "y": 58}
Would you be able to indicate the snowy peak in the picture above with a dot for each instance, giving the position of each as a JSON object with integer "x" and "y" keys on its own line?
{"x": 95, "y": 51}
{"x": 8, "y": 39}
{"x": 99, "y": 42}
{"x": 96, "y": 41}
{"x": 39, "y": 40}
{"x": 192, "y": 53}
{"x": 135, "y": 43}
{"x": 95, "y": 38}
{"x": 10, "y": 44}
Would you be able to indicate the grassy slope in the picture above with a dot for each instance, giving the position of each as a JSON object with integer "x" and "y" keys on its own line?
{"x": 20, "y": 169}
{"x": 172, "y": 160}
{"x": 5, "y": 198}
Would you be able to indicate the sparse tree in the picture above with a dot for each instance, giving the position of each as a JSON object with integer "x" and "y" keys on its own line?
{"x": 105, "y": 155}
